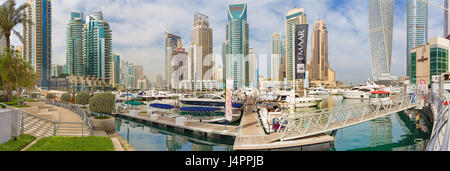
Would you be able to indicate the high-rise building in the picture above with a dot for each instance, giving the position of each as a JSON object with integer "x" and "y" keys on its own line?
{"x": 319, "y": 63}
{"x": 282, "y": 72}
{"x": 172, "y": 42}
{"x": 237, "y": 41}
{"x": 131, "y": 80}
{"x": 276, "y": 54}
{"x": 203, "y": 40}
{"x": 37, "y": 38}
{"x": 446, "y": 18}
{"x": 224, "y": 63}
{"x": 97, "y": 47}
{"x": 381, "y": 18}
{"x": 294, "y": 17}
{"x": 74, "y": 44}
{"x": 115, "y": 81}
{"x": 253, "y": 69}
{"x": 417, "y": 27}
{"x": 124, "y": 73}
{"x": 179, "y": 69}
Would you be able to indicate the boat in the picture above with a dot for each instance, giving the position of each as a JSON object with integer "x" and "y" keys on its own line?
{"x": 361, "y": 92}
{"x": 207, "y": 100}
{"x": 336, "y": 92}
{"x": 381, "y": 96}
{"x": 319, "y": 91}
{"x": 284, "y": 97}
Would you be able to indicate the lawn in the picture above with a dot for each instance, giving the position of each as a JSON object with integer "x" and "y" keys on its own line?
{"x": 22, "y": 141}
{"x": 73, "y": 144}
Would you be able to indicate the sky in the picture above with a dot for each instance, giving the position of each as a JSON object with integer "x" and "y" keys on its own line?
{"x": 138, "y": 28}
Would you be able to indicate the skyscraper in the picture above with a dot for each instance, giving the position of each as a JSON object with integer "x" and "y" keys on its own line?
{"x": 253, "y": 69}
{"x": 202, "y": 38}
{"x": 446, "y": 18}
{"x": 319, "y": 62}
{"x": 116, "y": 70}
{"x": 74, "y": 42}
{"x": 276, "y": 54}
{"x": 37, "y": 38}
{"x": 294, "y": 17}
{"x": 97, "y": 47}
{"x": 381, "y": 20}
{"x": 237, "y": 42}
{"x": 172, "y": 42}
{"x": 417, "y": 27}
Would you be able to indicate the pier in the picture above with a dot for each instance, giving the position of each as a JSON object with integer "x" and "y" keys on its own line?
{"x": 253, "y": 137}
{"x": 198, "y": 128}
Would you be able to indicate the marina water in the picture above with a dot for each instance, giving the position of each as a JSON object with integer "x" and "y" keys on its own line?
{"x": 404, "y": 131}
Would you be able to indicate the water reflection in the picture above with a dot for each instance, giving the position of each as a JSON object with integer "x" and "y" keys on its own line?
{"x": 149, "y": 138}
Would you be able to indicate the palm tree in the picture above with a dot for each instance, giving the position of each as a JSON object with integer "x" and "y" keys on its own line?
{"x": 10, "y": 16}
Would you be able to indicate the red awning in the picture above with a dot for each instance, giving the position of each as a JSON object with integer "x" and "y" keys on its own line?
{"x": 380, "y": 92}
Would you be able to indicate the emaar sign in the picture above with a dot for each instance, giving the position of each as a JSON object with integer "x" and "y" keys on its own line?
{"x": 301, "y": 45}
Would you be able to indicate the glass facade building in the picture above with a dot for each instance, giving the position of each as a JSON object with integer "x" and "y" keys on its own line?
{"x": 429, "y": 60}
{"x": 97, "y": 47}
{"x": 294, "y": 17}
{"x": 237, "y": 43}
{"x": 417, "y": 28}
{"x": 381, "y": 20}
{"x": 74, "y": 44}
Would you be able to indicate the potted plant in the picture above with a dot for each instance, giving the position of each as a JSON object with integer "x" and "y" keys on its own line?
{"x": 50, "y": 96}
{"x": 101, "y": 105}
{"x": 82, "y": 98}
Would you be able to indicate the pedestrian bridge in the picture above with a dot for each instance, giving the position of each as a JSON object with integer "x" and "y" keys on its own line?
{"x": 325, "y": 120}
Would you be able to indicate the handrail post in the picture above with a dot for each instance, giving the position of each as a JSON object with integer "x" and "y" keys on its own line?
{"x": 22, "y": 130}
{"x": 54, "y": 129}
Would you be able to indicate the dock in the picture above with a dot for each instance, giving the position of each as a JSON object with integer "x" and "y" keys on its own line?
{"x": 253, "y": 137}
{"x": 198, "y": 128}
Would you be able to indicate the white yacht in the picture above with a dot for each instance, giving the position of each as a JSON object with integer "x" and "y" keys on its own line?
{"x": 319, "y": 91}
{"x": 361, "y": 92}
{"x": 300, "y": 102}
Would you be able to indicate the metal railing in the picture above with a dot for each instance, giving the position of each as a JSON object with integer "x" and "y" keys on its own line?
{"x": 325, "y": 120}
{"x": 439, "y": 140}
{"x": 82, "y": 113}
{"x": 39, "y": 126}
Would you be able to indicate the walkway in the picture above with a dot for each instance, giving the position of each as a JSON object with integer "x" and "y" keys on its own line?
{"x": 252, "y": 136}
{"x": 326, "y": 120}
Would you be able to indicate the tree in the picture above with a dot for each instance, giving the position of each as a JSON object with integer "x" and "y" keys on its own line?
{"x": 10, "y": 16}
{"x": 102, "y": 103}
{"x": 82, "y": 98}
{"x": 17, "y": 72}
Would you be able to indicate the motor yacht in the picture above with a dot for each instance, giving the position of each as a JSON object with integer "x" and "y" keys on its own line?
{"x": 361, "y": 92}
{"x": 300, "y": 102}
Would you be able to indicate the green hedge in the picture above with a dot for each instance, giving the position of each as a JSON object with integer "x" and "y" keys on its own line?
{"x": 82, "y": 98}
{"x": 102, "y": 103}
{"x": 67, "y": 97}
{"x": 50, "y": 96}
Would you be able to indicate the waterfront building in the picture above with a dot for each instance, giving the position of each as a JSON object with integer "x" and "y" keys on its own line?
{"x": 97, "y": 47}
{"x": 159, "y": 81}
{"x": 319, "y": 61}
{"x": 142, "y": 83}
{"x": 139, "y": 72}
{"x": 202, "y": 41}
{"x": 115, "y": 81}
{"x": 74, "y": 44}
{"x": 381, "y": 20}
{"x": 237, "y": 43}
{"x": 172, "y": 43}
{"x": 37, "y": 39}
{"x": 224, "y": 63}
{"x": 179, "y": 69}
{"x": 429, "y": 60}
{"x": 294, "y": 17}
{"x": 417, "y": 27}
{"x": 282, "y": 72}
{"x": 276, "y": 55}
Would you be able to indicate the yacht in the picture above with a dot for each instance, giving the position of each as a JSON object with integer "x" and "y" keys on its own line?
{"x": 207, "y": 100}
{"x": 300, "y": 102}
{"x": 381, "y": 96}
{"x": 319, "y": 91}
{"x": 361, "y": 92}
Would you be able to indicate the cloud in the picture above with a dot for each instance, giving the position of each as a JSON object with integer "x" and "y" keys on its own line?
{"x": 138, "y": 28}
